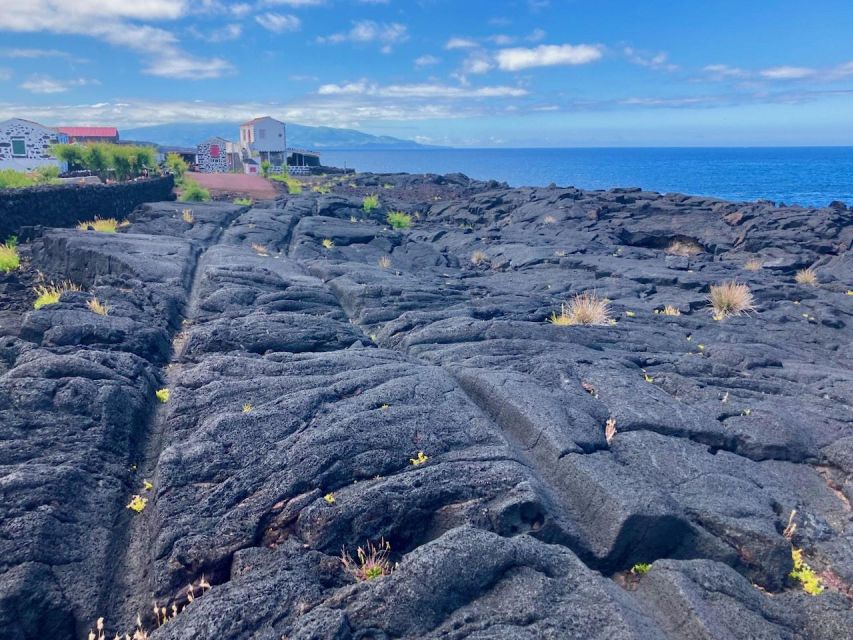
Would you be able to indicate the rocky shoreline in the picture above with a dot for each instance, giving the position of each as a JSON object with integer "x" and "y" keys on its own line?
{"x": 336, "y": 383}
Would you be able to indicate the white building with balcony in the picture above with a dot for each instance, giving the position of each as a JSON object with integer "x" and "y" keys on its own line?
{"x": 263, "y": 140}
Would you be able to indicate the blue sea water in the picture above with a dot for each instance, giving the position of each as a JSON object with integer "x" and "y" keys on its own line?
{"x": 810, "y": 176}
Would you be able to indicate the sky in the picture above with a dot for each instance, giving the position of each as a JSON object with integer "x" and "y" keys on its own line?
{"x": 473, "y": 73}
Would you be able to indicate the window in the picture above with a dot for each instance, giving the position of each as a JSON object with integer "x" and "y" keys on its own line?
{"x": 262, "y": 133}
{"x": 19, "y": 147}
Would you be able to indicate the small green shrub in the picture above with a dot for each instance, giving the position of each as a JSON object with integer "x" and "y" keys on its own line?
{"x": 176, "y": 165}
{"x": 641, "y": 568}
{"x": 294, "y": 187}
{"x": 9, "y": 257}
{"x": 11, "y": 179}
{"x": 244, "y": 202}
{"x": 399, "y": 220}
{"x": 102, "y": 225}
{"x": 804, "y": 574}
{"x": 49, "y": 293}
{"x": 194, "y": 192}
{"x": 370, "y": 203}
{"x": 48, "y": 174}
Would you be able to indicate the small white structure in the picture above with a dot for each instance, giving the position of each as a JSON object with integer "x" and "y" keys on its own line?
{"x": 25, "y": 145}
{"x": 264, "y": 140}
{"x": 212, "y": 156}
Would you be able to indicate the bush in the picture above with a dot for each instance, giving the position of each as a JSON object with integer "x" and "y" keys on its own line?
{"x": 730, "y": 299}
{"x": 102, "y": 225}
{"x": 176, "y": 165}
{"x": 370, "y": 203}
{"x": 192, "y": 191}
{"x": 9, "y": 258}
{"x": 47, "y": 174}
{"x": 399, "y": 220}
{"x": 806, "y": 276}
{"x": 11, "y": 179}
{"x": 294, "y": 187}
{"x": 585, "y": 308}
{"x": 265, "y": 168}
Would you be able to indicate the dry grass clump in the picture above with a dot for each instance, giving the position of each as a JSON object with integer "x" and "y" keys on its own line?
{"x": 671, "y": 310}
{"x": 549, "y": 219}
{"x": 384, "y": 262}
{"x": 369, "y": 564}
{"x": 187, "y": 216}
{"x": 610, "y": 429}
{"x": 101, "y": 225}
{"x": 96, "y": 306}
{"x": 479, "y": 257}
{"x": 328, "y": 243}
{"x": 684, "y": 247}
{"x": 9, "y": 257}
{"x": 753, "y": 264}
{"x": 806, "y": 276}
{"x": 49, "y": 293}
{"x": 730, "y": 299}
{"x": 585, "y": 308}
{"x": 260, "y": 249}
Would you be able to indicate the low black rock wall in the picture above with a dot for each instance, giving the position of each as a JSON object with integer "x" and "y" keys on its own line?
{"x": 66, "y": 205}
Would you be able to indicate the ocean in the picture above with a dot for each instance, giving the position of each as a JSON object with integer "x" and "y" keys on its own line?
{"x": 809, "y": 176}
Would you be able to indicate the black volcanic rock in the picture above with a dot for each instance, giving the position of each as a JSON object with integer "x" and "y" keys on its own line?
{"x": 392, "y": 386}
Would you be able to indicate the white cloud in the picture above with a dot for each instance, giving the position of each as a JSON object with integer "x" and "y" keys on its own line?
{"x": 724, "y": 71}
{"x": 436, "y": 91}
{"x": 537, "y": 35}
{"x": 368, "y": 31}
{"x": 658, "y": 60}
{"x": 460, "y": 43}
{"x": 47, "y": 85}
{"x": 34, "y": 53}
{"x": 5, "y": 74}
{"x": 549, "y": 55}
{"x": 787, "y": 73}
{"x": 240, "y": 9}
{"x": 501, "y": 39}
{"x": 225, "y": 34}
{"x": 477, "y": 63}
{"x": 112, "y": 22}
{"x": 426, "y": 61}
{"x": 296, "y": 4}
{"x": 278, "y": 22}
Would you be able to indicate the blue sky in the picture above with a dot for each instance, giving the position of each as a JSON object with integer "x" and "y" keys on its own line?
{"x": 456, "y": 72}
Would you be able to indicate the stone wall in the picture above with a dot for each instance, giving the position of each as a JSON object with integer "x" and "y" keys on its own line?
{"x": 66, "y": 205}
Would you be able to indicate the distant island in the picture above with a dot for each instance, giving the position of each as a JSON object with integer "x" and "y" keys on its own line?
{"x": 188, "y": 134}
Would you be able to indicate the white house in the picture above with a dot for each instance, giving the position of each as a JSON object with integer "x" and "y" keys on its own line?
{"x": 264, "y": 139}
{"x": 25, "y": 145}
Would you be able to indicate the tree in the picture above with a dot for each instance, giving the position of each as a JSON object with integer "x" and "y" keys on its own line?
{"x": 98, "y": 159}
{"x": 176, "y": 165}
{"x": 72, "y": 154}
{"x": 265, "y": 168}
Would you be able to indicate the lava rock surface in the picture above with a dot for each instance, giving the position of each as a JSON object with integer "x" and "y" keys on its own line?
{"x": 334, "y": 382}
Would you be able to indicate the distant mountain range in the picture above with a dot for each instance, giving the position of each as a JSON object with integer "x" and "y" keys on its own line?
{"x": 189, "y": 134}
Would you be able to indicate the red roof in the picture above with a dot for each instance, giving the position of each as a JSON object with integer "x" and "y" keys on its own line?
{"x": 89, "y": 132}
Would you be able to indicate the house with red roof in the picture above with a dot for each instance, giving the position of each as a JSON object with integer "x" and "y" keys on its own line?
{"x": 87, "y": 135}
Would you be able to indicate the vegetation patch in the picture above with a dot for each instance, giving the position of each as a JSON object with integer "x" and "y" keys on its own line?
{"x": 753, "y": 264}
{"x": 399, "y": 220}
{"x": 328, "y": 243}
{"x": 50, "y": 293}
{"x": 187, "y": 216}
{"x": 384, "y": 262}
{"x": 192, "y": 191}
{"x": 684, "y": 247}
{"x": 244, "y": 202}
{"x": 585, "y": 308}
{"x": 163, "y": 395}
{"x": 804, "y": 574}
{"x": 96, "y": 306}
{"x": 369, "y": 203}
{"x": 101, "y": 225}
{"x": 479, "y": 257}
{"x": 370, "y": 563}
{"x": 118, "y": 161}
{"x": 730, "y": 299}
{"x": 806, "y": 276}
{"x": 10, "y": 259}
{"x": 294, "y": 187}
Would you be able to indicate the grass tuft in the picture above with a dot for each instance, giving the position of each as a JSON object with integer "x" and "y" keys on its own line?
{"x": 479, "y": 257}
{"x": 260, "y": 249}
{"x": 50, "y": 293}
{"x": 9, "y": 257}
{"x": 549, "y": 219}
{"x": 163, "y": 395}
{"x": 187, "y": 216}
{"x": 804, "y": 574}
{"x": 193, "y": 192}
{"x": 96, "y": 306}
{"x": 328, "y": 243}
{"x": 684, "y": 247}
{"x": 399, "y": 220}
{"x": 370, "y": 563}
{"x": 730, "y": 299}
{"x": 101, "y": 225}
{"x": 585, "y": 308}
{"x": 641, "y": 569}
{"x": 244, "y": 202}
{"x": 369, "y": 203}
{"x": 753, "y": 264}
{"x": 384, "y": 262}
{"x": 806, "y": 276}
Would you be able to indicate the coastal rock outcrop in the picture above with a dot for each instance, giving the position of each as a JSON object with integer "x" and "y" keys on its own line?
{"x": 336, "y": 383}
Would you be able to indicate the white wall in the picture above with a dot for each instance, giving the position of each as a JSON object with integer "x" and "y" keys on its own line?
{"x": 37, "y": 141}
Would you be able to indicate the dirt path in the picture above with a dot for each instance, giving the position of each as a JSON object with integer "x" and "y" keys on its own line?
{"x": 237, "y": 184}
